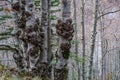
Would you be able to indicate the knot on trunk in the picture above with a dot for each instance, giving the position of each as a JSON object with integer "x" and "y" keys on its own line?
{"x": 65, "y": 46}
{"x": 23, "y": 2}
{"x": 16, "y": 6}
{"x": 33, "y": 37}
{"x": 21, "y": 22}
{"x": 19, "y": 60}
{"x": 65, "y": 29}
{"x": 65, "y": 49}
{"x": 31, "y": 33}
{"x": 34, "y": 52}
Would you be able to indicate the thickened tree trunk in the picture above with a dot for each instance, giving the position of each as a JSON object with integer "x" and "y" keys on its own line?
{"x": 65, "y": 32}
{"x": 18, "y": 57}
{"x": 28, "y": 33}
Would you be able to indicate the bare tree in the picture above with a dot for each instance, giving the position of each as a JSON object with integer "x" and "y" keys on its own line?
{"x": 76, "y": 38}
{"x": 93, "y": 41}
{"x": 83, "y": 41}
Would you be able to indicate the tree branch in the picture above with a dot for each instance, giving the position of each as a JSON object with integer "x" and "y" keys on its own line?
{"x": 7, "y": 1}
{"x": 9, "y": 47}
{"x": 109, "y": 51}
{"x": 107, "y": 13}
{"x": 1, "y": 5}
{"x": 4, "y": 37}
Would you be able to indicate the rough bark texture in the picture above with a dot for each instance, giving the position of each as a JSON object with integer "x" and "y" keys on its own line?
{"x": 65, "y": 32}
{"x": 27, "y": 32}
{"x": 18, "y": 57}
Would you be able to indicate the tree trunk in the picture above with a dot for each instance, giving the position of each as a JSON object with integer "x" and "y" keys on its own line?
{"x": 83, "y": 42}
{"x": 46, "y": 55}
{"x": 18, "y": 57}
{"x": 103, "y": 46}
{"x": 27, "y": 33}
{"x": 65, "y": 32}
{"x": 93, "y": 41}
{"x": 76, "y": 39}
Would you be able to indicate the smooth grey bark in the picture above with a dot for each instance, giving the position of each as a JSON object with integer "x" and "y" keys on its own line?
{"x": 44, "y": 27}
{"x": 104, "y": 48}
{"x": 65, "y": 32}
{"x": 119, "y": 63}
{"x": 83, "y": 42}
{"x": 50, "y": 55}
{"x": 76, "y": 38}
{"x": 93, "y": 41}
{"x": 46, "y": 55}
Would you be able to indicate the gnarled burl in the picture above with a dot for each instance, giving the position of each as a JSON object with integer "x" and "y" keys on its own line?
{"x": 65, "y": 32}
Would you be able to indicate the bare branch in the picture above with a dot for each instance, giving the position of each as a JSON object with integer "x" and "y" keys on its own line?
{"x": 9, "y": 47}
{"x": 7, "y": 1}
{"x": 107, "y": 13}
{"x": 109, "y": 51}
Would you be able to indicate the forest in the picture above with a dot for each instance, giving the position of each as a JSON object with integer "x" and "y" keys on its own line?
{"x": 59, "y": 40}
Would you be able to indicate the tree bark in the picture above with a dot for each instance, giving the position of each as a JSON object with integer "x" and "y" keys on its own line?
{"x": 76, "y": 39}
{"x": 103, "y": 46}
{"x": 27, "y": 32}
{"x": 93, "y": 41}
{"x": 18, "y": 57}
{"x": 46, "y": 55}
{"x": 83, "y": 42}
{"x": 65, "y": 32}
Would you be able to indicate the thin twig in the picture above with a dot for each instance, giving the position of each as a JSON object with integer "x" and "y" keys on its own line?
{"x": 107, "y": 13}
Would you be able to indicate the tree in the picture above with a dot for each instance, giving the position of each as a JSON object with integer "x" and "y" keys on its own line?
{"x": 83, "y": 42}
{"x": 93, "y": 40}
{"x": 27, "y": 32}
{"x": 32, "y": 53}
{"x": 65, "y": 32}
{"x": 76, "y": 38}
